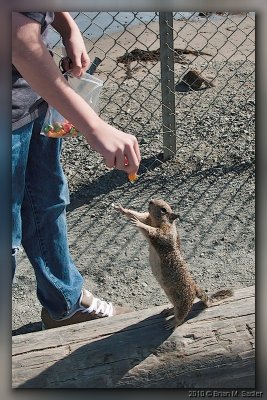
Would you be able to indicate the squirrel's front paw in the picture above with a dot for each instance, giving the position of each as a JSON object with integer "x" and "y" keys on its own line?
{"x": 120, "y": 209}
{"x": 135, "y": 221}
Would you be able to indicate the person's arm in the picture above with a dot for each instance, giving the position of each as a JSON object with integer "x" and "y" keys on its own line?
{"x": 73, "y": 42}
{"x": 32, "y": 59}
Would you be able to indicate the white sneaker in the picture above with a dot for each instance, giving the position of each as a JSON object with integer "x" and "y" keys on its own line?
{"x": 90, "y": 307}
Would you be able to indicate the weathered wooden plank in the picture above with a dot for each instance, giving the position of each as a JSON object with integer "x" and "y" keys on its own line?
{"x": 214, "y": 348}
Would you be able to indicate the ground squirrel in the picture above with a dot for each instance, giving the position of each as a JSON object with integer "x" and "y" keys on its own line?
{"x": 166, "y": 261}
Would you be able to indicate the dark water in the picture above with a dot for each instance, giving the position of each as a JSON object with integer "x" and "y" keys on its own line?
{"x": 93, "y": 24}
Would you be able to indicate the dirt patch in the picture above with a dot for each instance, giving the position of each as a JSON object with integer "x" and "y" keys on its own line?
{"x": 140, "y": 55}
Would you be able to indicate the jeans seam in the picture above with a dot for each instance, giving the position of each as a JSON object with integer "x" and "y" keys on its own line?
{"x": 42, "y": 247}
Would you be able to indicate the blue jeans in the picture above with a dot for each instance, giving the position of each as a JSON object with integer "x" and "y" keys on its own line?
{"x": 39, "y": 198}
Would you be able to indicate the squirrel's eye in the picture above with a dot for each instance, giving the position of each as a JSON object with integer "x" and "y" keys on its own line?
{"x": 163, "y": 210}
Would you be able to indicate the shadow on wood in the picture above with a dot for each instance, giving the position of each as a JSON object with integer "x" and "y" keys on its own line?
{"x": 213, "y": 349}
{"x": 101, "y": 363}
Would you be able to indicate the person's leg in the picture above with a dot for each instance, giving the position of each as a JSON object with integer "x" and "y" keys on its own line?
{"x": 40, "y": 196}
{"x": 44, "y": 227}
{"x": 20, "y": 147}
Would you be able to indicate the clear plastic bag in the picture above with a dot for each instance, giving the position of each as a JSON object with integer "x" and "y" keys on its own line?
{"x": 89, "y": 88}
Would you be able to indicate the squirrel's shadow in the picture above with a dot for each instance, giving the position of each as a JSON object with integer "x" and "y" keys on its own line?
{"x": 87, "y": 366}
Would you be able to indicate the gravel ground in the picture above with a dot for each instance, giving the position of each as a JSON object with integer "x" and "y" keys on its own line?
{"x": 210, "y": 183}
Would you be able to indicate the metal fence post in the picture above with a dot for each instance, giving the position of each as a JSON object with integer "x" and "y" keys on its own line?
{"x": 167, "y": 83}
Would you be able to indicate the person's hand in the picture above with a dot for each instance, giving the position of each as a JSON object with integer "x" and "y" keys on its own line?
{"x": 79, "y": 60}
{"x": 120, "y": 150}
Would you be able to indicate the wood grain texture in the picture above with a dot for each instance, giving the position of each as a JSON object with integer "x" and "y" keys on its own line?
{"x": 214, "y": 348}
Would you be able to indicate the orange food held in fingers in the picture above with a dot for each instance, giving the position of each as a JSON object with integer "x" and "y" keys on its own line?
{"x": 132, "y": 177}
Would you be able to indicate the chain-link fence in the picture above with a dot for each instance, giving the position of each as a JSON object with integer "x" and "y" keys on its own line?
{"x": 184, "y": 85}
{"x": 197, "y": 68}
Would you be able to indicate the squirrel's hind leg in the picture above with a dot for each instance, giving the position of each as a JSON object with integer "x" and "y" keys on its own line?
{"x": 179, "y": 317}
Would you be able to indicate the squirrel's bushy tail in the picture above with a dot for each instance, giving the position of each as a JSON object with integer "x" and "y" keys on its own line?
{"x": 221, "y": 294}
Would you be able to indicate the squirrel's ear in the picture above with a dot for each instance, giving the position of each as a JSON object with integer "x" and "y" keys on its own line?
{"x": 173, "y": 216}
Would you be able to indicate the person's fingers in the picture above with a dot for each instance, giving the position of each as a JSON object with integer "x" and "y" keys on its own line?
{"x": 76, "y": 69}
{"x": 128, "y": 162}
{"x": 137, "y": 150}
{"x": 80, "y": 63}
{"x": 120, "y": 161}
{"x": 133, "y": 166}
{"x": 85, "y": 61}
{"x": 132, "y": 157}
{"x": 76, "y": 64}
